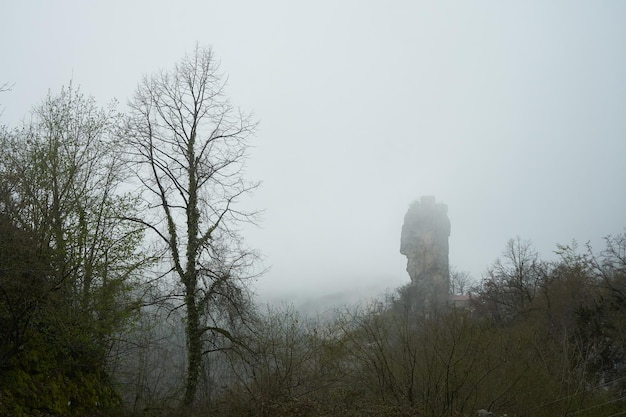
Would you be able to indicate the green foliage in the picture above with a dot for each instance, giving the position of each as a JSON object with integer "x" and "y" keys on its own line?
{"x": 67, "y": 292}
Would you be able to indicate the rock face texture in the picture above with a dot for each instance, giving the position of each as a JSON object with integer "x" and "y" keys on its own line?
{"x": 424, "y": 241}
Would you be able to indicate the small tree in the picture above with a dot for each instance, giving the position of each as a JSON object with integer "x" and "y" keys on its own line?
{"x": 190, "y": 145}
{"x": 511, "y": 283}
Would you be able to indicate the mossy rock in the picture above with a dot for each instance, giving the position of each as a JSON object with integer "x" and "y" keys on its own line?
{"x": 55, "y": 393}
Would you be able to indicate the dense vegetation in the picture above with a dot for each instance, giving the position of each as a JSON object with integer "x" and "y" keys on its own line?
{"x": 112, "y": 305}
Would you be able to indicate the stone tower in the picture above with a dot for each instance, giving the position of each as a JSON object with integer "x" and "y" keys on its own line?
{"x": 424, "y": 242}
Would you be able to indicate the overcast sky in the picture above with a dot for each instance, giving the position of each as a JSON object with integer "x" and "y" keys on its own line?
{"x": 512, "y": 113}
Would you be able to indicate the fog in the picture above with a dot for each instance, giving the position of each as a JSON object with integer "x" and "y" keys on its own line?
{"x": 511, "y": 113}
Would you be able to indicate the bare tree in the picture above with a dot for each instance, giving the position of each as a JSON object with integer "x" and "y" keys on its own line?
{"x": 460, "y": 281}
{"x": 511, "y": 283}
{"x": 190, "y": 146}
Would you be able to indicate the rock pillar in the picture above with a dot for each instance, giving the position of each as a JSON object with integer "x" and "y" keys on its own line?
{"x": 424, "y": 241}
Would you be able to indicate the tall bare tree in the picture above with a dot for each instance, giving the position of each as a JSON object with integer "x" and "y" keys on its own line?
{"x": 190, "y": 146}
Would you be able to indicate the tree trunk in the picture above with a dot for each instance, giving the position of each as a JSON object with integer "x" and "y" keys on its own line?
{"x": 194, "y": 347}
{"x": 194, "y": 334}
